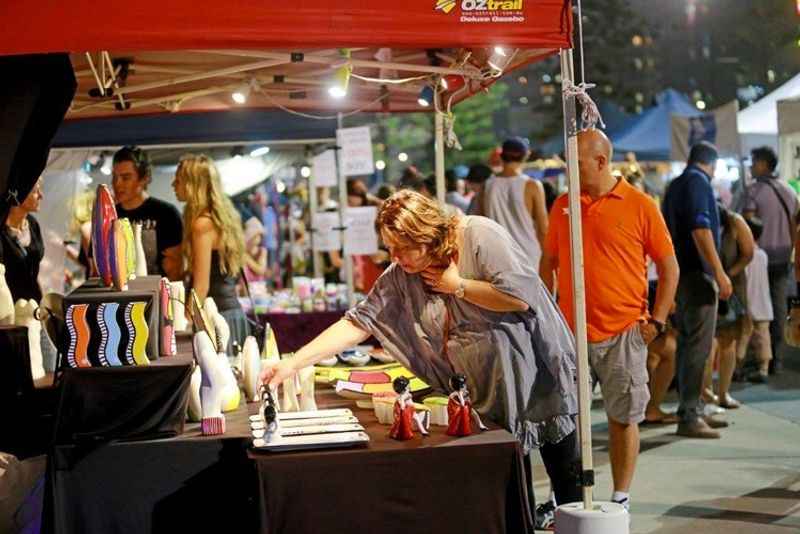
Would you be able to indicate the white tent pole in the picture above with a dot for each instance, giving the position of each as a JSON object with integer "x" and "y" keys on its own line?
{"x": 439, "y": 150}
{"x": 347, "y": 259}
{"x": 579, "y": 290}
{"x": 313, "y": 207}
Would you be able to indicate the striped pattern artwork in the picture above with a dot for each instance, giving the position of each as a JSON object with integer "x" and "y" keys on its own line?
{"x": 107, "y": 334}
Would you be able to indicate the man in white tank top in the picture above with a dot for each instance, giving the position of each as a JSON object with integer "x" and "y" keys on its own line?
{"x": 516, "y": 201}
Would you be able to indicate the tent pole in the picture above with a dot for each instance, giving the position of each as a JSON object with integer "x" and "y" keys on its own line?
{"x": 313, "y": 207}
{"x": 579, "y": 290}
{"x": 347, "y": 259}
{"x": 439, "y": 156}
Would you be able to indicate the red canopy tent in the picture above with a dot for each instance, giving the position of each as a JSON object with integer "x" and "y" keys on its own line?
{"x": 183, "y": 56}
{"x": 187, "y": 57}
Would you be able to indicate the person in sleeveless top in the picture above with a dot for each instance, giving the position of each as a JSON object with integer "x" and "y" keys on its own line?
{"x": 516, "y": 201}
{"x": 736, "y": 251}
{"x": 213, "y": 241}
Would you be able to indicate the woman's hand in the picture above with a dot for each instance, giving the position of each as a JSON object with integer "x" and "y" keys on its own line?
{"x": 275, "y": 373}
{"x": 442, "y": 280}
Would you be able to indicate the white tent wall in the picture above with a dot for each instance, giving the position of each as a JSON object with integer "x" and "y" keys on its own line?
{"x": 758, "y": 123}
{"x": 64, "y": 178}
{"x": 789, "y": 139}
{"x": 61, "y": 181}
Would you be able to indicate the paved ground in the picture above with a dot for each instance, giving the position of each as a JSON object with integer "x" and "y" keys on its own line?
{"x": 748, "y": 481}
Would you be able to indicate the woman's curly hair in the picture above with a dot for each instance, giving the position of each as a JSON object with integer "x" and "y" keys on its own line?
{"x": 417, "y": 220}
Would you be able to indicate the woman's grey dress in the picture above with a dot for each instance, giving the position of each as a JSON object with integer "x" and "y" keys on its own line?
{"x": 520, "y": 366}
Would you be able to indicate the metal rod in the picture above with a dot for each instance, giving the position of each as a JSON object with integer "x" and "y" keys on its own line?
{"x": 327, "y": 60}
{"x": 438, "y": 146}
{"x": 94, "y": 72}
{"x": 579, "y": 289}
{"x": 202, "y": 76}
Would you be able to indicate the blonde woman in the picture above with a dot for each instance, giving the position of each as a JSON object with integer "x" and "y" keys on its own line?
{"x": 461, "y": 296}
{"x": 213, "y": 242}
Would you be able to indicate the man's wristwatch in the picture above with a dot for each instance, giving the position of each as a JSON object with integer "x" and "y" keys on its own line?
{"x": 460, "y": 289}
{"x": 660, "y": 327}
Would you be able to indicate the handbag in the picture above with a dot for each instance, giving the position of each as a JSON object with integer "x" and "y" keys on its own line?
{"x": 730, "y": 311}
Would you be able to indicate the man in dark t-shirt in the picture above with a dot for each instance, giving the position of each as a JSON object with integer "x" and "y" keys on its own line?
{"x": 162, "y": 228}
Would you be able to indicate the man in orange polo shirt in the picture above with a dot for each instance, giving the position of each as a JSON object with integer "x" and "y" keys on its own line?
{"x": 621, "y": 227}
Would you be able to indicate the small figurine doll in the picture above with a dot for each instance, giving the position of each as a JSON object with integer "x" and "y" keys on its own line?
{"x": 404, "y": 412}
{"x": 268, "y": 413}
{"x": 459, "y": 408}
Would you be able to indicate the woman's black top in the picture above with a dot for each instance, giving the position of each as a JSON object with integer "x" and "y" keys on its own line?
{"x": 22, "y": 263}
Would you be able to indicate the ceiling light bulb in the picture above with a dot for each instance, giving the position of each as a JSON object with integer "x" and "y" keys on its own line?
{"x": 260, "y": 151}
{"x": 341, "y": 80}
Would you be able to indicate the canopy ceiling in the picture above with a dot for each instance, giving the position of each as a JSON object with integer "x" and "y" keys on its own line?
{"x": 179, "y": 58}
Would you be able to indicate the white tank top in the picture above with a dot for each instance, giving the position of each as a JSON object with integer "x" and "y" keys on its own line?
{"x": 504, "y": 201}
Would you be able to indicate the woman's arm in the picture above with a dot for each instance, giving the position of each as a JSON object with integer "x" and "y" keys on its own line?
{"x": 339, "y": 336}
{"x": 476, "y": 292}
{"x": 746, "y": 244}
{"x": 203, "y": 237}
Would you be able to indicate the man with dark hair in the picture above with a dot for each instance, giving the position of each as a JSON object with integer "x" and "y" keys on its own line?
{"x": 775, "y": 203}
{"x": 162, "y": 228}
{"x": 516, "y": 201}
{"x": 476, "y": 177}
{"x": 693, "y": 220}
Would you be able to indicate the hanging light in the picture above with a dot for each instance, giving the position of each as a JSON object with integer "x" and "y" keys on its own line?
{"x": 498, "y": 59}
{"x": 305, "y": 171}
{"x": 260, "y": 151}
{"x": 240, "y": 94}
{"x": 701, "y": 105}
{"x": 452, "y": 82}
{"x": 341, "y": 79}
{"x": 402, "y": 156}
{"x": 425, "y": 98}
{"x": 380, "y": 164}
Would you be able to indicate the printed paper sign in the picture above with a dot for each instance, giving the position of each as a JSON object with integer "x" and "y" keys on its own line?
{"x": 324, "y": 169}
{"x": 356, "y": 150}
{"x": 360, "y": 237}
{"x": 326, "y": 237}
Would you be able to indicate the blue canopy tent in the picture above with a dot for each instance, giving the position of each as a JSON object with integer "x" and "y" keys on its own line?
{"x": 648, "y": 134}
{"x": 241, "y": 126}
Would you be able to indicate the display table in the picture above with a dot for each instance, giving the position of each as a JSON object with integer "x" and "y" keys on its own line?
{"x": 435, "y": 484}
{"x": 215, "y": 484}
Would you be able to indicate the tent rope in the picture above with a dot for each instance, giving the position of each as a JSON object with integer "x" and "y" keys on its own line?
{"x": 590, "y": 115}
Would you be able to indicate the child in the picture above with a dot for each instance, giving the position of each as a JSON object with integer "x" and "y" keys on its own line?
{"x": 759, "y": 309}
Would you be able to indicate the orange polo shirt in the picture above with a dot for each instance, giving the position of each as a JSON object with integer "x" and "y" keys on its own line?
{"x": 620, "y": 230}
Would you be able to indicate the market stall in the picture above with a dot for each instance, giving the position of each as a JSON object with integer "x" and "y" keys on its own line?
{"x": 290, "y": 58}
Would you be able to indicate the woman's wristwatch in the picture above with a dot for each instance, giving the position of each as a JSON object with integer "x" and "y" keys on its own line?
{"x": 460, "y": 289}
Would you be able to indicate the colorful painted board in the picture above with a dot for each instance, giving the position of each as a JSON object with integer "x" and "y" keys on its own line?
{"x": 168, "y": 343}
{"x": 103, "y": 216}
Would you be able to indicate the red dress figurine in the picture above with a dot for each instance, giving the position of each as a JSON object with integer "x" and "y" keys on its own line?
{"x": 404, "y": 412}
{"x": 459, "y": 409}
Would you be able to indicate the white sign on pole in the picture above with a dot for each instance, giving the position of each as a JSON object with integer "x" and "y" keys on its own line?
{"x": 326, "y": 235}
{"x": 324, "y": 169}
{"x": 356, "y": 150}
{"x": 360, "y": 237}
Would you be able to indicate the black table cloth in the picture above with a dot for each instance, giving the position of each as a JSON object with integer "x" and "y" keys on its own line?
{"x": 216, "y": 484}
